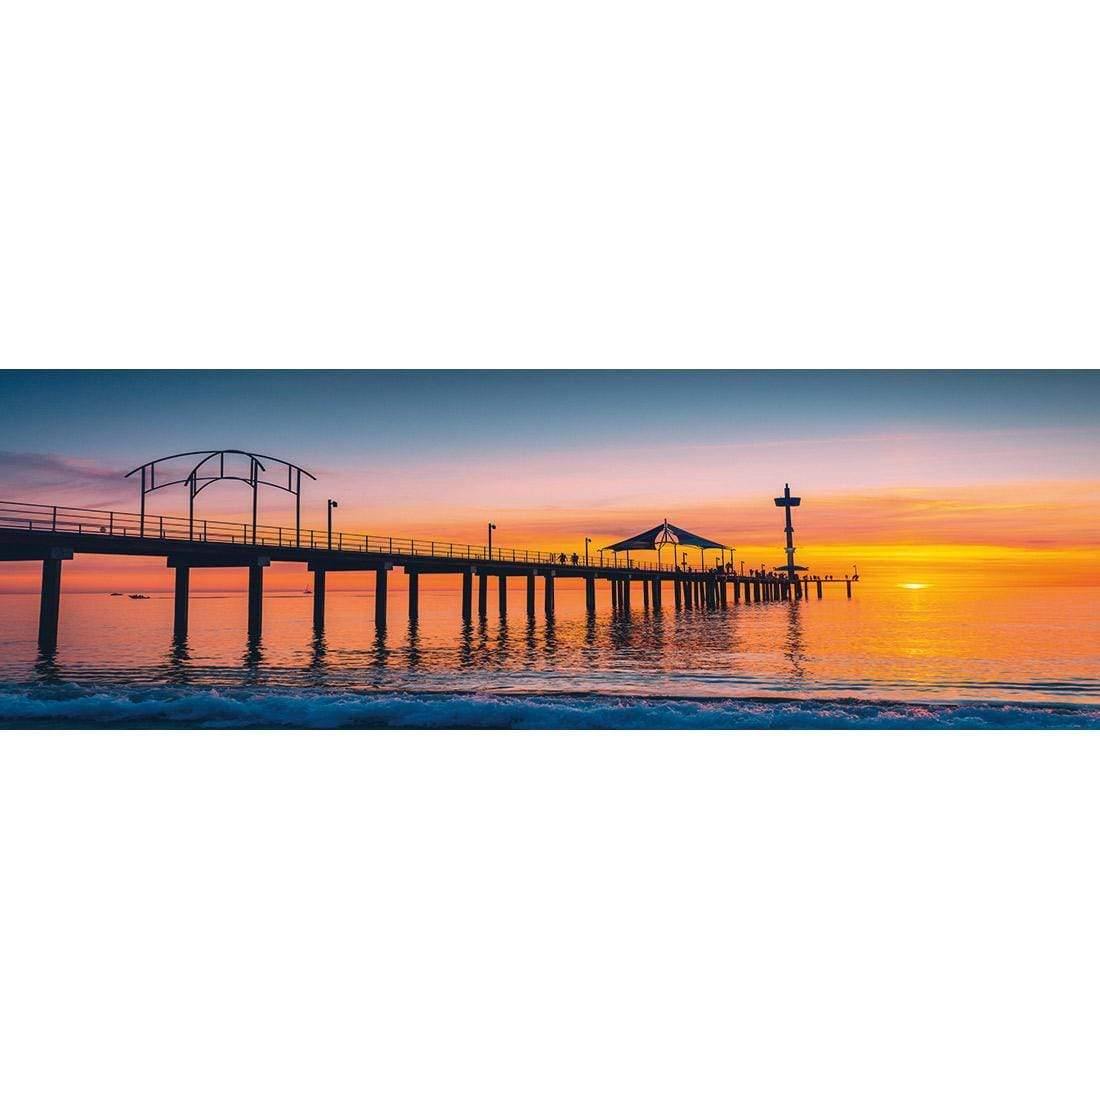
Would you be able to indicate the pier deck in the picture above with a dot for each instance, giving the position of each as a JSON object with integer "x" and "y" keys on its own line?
{"x": 52, "y": 535}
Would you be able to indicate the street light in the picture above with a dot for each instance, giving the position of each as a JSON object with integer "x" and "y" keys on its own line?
{"x": 587, "y": 540}
{"x": 492, "y": 528}
{"x": 331, "y": 504}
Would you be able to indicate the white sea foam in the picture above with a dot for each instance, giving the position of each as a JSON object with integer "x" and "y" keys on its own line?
{"x": 86, "y": 706}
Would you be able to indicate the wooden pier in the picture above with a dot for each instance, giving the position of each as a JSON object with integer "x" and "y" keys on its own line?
{"x": 52, "y": 535}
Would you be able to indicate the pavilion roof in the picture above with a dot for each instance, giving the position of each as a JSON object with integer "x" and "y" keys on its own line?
{"x": 666, "y": 533}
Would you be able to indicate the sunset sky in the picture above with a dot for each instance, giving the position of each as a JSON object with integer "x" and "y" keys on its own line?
{"x": 980, "y": 477}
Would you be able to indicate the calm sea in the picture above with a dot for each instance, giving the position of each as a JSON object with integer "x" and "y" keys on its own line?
{"x": 890, "y": 657}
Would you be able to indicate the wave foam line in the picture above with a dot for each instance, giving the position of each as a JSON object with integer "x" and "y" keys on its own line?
{"x": 83, "y": 707}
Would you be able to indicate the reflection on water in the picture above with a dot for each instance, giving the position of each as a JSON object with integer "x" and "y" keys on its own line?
{"x": 1011, "y": 644}
{"x": 792, "y": 648}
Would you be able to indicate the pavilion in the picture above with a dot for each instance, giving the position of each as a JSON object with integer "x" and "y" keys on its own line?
{"x": 665, "y": 533}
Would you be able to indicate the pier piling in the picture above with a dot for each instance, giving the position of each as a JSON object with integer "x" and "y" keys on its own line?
{"x": 381, "y": 587}
{"x": 255, "y": 599}
{"x": 467, "y": 595}
{"x": 502, "y": 595}
{"x": 482, "y": 595}
{"x": 530, "y": 595}
{"x": 183, "y": 586}
{"x": 414, "y": 595}
{"x": 319, "y": 600}
{"x": 50, "y": 606}
{"x": 548, "y": 595}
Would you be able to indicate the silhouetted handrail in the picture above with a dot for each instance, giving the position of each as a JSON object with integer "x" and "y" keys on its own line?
{"x": 93, "y": 522}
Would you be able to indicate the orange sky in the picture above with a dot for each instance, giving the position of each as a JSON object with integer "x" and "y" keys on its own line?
{"x": 1023, "y": 533}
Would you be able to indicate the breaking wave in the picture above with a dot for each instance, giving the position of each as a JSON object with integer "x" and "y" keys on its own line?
{"x": 100, "y": 707}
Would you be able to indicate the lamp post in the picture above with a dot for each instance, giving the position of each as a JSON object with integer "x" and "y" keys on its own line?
{"x": 492, "y": 528}
{"x": 331, "y": 504}
{"x": 587, "y": 540}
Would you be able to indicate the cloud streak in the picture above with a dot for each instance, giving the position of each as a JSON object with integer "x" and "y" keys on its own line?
{"x": 59, "y": 478}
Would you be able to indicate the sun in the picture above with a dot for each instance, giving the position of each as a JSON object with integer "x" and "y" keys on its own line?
{"x": 913, "y": 585}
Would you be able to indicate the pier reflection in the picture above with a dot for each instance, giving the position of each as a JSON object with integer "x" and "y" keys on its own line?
{"x": 413, "y": 654}
{"x": 794, "y": 647}
{"x": 253, "y": 659}
{"x": 927, "y": 643}
{"x": 177, "y": 663}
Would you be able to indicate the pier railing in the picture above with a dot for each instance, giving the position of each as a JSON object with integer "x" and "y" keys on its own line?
{"x": 114, "y": 524}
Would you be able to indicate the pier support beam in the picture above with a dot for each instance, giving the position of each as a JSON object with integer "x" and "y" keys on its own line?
{"x": 183, "y": 563}
{"x": 502, "y": 595}
{"x": 467, "y": 595}
{"x": 614, "y": 593}
{"x": 849, "y": 584}
{"x": 318, "y": 600}
{"x": 723, "y": 592}
{"x": 656, "y": 593}
{"x": 482, "y": 595}
{"x": 183, "y": 587}
{"x": 626, "y": 593}
{"x": 548, "y": 595}
{"x": 530, "y": 595}
{"x": 414, "y": 596}
{"x": 49, "y": 608}
{"x": 381, "y": 591}
{"x": 819, "y": 592}
{"x": 255, "y": 600}
{"x": 677, "y": 593}
{"x": 590, "y": 593}
{"x": 645, "y": 594}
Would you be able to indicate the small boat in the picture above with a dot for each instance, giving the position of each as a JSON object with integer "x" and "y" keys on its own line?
{"x": 134, "y": 597}
{"x": 116, "y": 593}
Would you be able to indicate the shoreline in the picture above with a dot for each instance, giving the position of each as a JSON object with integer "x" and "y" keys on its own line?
{"x": 70, "y": 705}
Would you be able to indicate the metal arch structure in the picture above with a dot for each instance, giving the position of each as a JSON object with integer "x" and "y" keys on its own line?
{"x": 200, "y": 476}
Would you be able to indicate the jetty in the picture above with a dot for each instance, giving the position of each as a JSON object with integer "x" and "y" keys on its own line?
{"x": 53, "y": 534}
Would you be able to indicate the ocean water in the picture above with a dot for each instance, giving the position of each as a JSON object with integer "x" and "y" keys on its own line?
{"x": 993, "y": 658}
